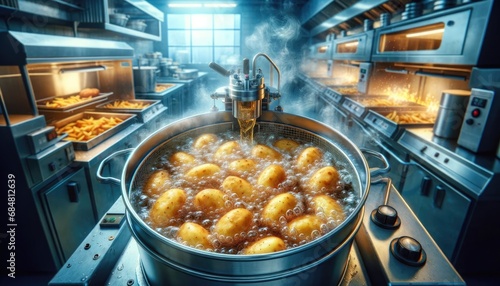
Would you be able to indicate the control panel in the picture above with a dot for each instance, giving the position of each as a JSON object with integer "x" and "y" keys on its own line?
{"x": 479, "y": 133}
{"x": 50, "y": 161}
{"x": 365, "y": 70}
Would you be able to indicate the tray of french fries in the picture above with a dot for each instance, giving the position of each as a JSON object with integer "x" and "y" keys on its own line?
{"x": 391, "y": 123}
{"x": 143, "y": 108}
{"x": 87, "y": 129}
{"x": 70, "y": 102}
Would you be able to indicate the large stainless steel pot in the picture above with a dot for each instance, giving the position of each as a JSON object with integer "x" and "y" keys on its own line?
{"x": 320, "y": 262}
{"x": 145, "y": 78}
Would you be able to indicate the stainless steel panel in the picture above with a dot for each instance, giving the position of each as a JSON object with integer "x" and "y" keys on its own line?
{"x": 441, "y": 208}
{"x": 70, "y": 210}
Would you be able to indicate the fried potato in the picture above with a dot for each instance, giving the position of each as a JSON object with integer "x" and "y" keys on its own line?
{"x": 325, "y": 179}
{"x": 266, "y": 245}
{"x": 236, "y": 185}
{"x": 157, "y": 182}
{"x": 202, "y": 171}
{"x": 265, "y": 152}
{"x": 272, "y": 176}
{"x": 194, "y": 235}
{"x": 209, "y": 200}
{"x": 308, "y": 157}
{"x": 279, "y": 206}
{"x": 180, "y": 158}
{"x": 87, "y": 128}
{"x": 242, "y": 166}
{"x": 324, "y": 205}
{"x": 167, "y": 207}
{"x": 231, "y": 225}
{"x": 204, "y": 140}
{"x": 302, "y": 228}
{"x": 127, "y": 104}
{"x": 228, "y": 149}
{"x": 286, "y": 145}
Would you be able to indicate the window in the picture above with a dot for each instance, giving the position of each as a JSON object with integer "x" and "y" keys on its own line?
{"x": 203, "y": 38}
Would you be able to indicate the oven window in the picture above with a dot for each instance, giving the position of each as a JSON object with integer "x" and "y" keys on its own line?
{"x": 424, "y": 38}
{"x": 203, "y": 38}
{"x": 350, "y": 47}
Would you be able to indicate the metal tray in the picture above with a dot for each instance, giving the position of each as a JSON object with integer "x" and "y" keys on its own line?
{"x": 128, "y": 119}
{"x": 391, "y": 129}
{"x": 41, "y": 103}
{"x": 355, "y": 106}
{"x": 143, "y": 114}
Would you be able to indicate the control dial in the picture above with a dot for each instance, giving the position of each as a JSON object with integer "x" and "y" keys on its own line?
{"x": 386, "y": 217}
{"x": 408, "y": 251}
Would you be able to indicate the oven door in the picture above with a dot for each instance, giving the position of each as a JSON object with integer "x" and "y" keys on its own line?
{"x": 450, "y": 36}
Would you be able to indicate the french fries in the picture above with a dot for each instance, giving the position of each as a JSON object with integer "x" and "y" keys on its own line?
{"x": 127, "y": 104}
{"x": 59, "y": 102}
{"x": 411, "y": 118}
{"x": 88, "y": 128}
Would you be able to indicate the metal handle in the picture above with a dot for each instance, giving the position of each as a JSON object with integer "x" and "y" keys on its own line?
{"x": 378, "y": 171}
{"x": 222, "y": 71}
{"x": 110, "y": 180}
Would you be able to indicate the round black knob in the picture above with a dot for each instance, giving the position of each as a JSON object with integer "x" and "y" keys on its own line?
{"x": 408, "y": 250}
{"x": 469, "y": 121}
{"x": 386, "y": 217}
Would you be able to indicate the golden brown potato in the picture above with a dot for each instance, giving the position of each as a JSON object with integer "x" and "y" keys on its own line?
{"x": 232, "y": 224}
{"x": 157, "y": 183}
{"x": 167, "y": 207}
{"x": 266, "y": 245}
{"x": 325, "y": 179}
{"x": 242, "y": 166}
{"x": 302, "y": 228}
{"x": 287, "y": 145}
{"x": 265, "y": 152}
{"x": 204, "y": 140}
{"x": 89, "y": 92}
{"x": 226, "y": 150}
{"x": 194, "y": 235}
{"x": 308, "y": 157}
{"x": 209, "y": 200}
{"x": 236, "y": 185}
{"x": 202, "y": 171}
{"x": 179, "y": 159}
{"x": 278, "y": 207}
{"x": 272, "y": 176}
{"x": 330, "y": 208}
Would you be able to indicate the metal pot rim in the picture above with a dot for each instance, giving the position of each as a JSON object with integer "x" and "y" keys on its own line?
{"x": 267, "y": 116}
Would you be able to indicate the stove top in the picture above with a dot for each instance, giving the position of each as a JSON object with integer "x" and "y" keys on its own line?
{"x": 109, "y": 256}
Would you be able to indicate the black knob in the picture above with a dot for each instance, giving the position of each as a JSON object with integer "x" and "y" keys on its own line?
{"x": 386, "y": 217}
{"x": 408, "y": 251}
{"x": 469, "y": 121}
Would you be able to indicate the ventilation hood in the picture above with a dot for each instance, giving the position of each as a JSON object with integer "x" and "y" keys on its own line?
{"x": 22, "y": 48}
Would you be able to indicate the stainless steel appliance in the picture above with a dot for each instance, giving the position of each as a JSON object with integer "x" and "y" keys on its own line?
{"x": 109, "y": 256}
{"x": 392, "y": 247}
{"x": 415, "y": 60}
{"x": 451, "y": 113}
{"x": 477, "y": 133}
{"x": 42, "y": 79}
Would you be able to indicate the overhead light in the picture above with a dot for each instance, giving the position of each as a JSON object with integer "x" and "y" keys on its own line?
{"x": 184, "y": 5}
{"x": 83, "y": 69}
{"x": 199, "y": 5}
{"x": 220, "y": 5}
{"x": 425, "y": 33}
